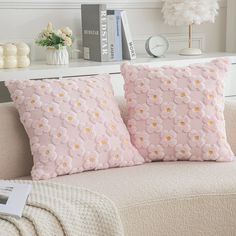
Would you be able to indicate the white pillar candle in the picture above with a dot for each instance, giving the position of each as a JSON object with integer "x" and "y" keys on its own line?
{"x": 1, "y": 57}
{"x": 9, "y": 49}
{"x": 10, "y": 62}
{"x": 1, "y": 63}
{"x": 22, "y": 49}
{"x": 23, "y": 61}
{"x": 1, "y": 51}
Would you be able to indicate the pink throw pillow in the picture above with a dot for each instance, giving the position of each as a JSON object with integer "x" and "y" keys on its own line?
{"x": 73, "y": 125}
{"x": 177, "y": 113}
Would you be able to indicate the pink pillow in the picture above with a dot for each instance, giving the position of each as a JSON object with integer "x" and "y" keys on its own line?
{"x": 73, "y": 125}
{"x": 177, "y": 113}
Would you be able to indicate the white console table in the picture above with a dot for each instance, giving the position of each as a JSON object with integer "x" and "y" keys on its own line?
{"x": 39, "y": 70}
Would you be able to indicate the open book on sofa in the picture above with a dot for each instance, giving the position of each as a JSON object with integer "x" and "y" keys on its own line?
{"x": 13, "y": 197}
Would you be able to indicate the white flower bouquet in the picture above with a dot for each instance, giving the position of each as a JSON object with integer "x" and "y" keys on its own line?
{"x": 55, "y": 38}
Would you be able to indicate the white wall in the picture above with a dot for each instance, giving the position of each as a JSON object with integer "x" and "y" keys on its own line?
{"x": 22, "y": 21}
{"x": 231, "y": 28}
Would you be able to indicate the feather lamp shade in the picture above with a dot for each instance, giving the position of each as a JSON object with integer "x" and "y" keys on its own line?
{"x": 189, "y": 12}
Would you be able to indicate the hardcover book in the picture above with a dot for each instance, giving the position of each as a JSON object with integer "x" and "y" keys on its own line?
{"x": 94, "y": 32}
{"x": 114, "y": 35}
{"x": 13, "y": 198}
{"x": 127, "y": 41}
{"x": 111, "y": 34}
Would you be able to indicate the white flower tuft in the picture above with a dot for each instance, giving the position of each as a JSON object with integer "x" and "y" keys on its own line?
{"x": 186, "y": 12}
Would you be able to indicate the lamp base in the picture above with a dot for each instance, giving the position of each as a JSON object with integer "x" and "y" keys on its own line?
{"x": 190, "y": 52}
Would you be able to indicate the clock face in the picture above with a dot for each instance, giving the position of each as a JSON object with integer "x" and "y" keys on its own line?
{"x": 157, "y": 46}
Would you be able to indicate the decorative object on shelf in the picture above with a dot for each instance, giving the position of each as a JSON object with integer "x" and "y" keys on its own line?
{"x": 56, "y": 42}
{"x": 14, "y": 55}
{"x": 57, "y": 56}
{"x": 1, "y": 57}
{"x": 157, "y": 46}
{"x": 23, "y": 51}
{"x": 185, "y": 12}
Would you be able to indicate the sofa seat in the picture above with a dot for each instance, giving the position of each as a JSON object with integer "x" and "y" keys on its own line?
{"x": 171, "y": 198}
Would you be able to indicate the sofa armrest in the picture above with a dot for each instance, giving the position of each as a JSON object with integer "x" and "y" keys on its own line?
{"x": 230, "y": 123}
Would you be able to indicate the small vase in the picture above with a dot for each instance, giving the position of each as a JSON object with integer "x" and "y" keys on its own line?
{"x": 57, "y": 56}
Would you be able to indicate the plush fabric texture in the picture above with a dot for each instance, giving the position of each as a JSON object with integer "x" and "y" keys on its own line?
{"x": 63, "y": 210}
{"x": 177, "y": 113}
{"x": 73, "y": 125}
{"x": 16, "y": 159}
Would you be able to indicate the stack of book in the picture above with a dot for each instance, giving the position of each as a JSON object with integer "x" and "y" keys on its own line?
{"x": 106, "y": 34}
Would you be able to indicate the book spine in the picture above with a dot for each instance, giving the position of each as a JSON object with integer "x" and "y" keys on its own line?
{"x": 127, "y": 42}
{"x": 103, "y": 33}
{"x": 118, "y": 36}
{"x": 84, "y": 33}
{"x": 91, "y": 31}
{"x": 111, "y": 34}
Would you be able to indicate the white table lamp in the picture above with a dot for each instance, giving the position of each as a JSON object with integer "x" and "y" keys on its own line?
{"x": 189, "y": 12}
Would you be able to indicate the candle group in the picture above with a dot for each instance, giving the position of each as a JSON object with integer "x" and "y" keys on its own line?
{"x": 14, "y": 55}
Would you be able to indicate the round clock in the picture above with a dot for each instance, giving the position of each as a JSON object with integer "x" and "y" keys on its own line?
{"x": 157, "y": 46}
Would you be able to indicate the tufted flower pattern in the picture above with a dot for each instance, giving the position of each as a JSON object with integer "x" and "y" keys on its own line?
{"x": 168, "y": 110}
{"x": 78, "y": 105}
{"x": 182, "y": 95}
{"x": 63, "y": 165}
{"x": 197, "y": 83}
{"x": 116, "y": 157}
{"x": 18, "y": 96}
{"x": 31, "y": 103}
{"x": 154, "y": 97}
{"x": 141, "y": 86}
{"x": 59, "y": 135}
{"x": 155, "y": 152}
{"x": 47, "y": 153}
{"x": 179, "y": 113}
{"x": 182, "y": 124}
{"x": 41, "y": 126}
{"x": 196, "y": 138}
{"x": 131, "y": 100}
{"x": 168, "y": 83}
{"x": 51, "y": 110}
{"x": 182, "y": 151}
{"x": 196, "y": 110}
{"x": 154, "y": 125}
{"x": 73, "y": 125}
{"x": 141, "y": 112}
{"x": 141, "y": 139}
{"x": 91, "y": 161}
{"x": 43, "y": 88}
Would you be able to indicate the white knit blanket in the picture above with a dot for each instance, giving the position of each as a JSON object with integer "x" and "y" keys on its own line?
{"x": 61, "y": 210}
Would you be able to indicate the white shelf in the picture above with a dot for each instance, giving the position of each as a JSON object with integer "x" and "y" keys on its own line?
{"x": 82, "y": 67}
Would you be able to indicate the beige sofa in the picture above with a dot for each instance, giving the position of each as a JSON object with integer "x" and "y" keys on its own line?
{"x": 175, "y": 198}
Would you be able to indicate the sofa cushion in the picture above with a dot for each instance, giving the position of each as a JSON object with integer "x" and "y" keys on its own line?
{"x": 176, "y": 113}
{"x": 73, "y": 125}
{"x": 15, "y": 155}
{"x": 168, "y": 198}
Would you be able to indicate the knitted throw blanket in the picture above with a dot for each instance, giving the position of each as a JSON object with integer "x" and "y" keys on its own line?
{"x": 61, "y": 210}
